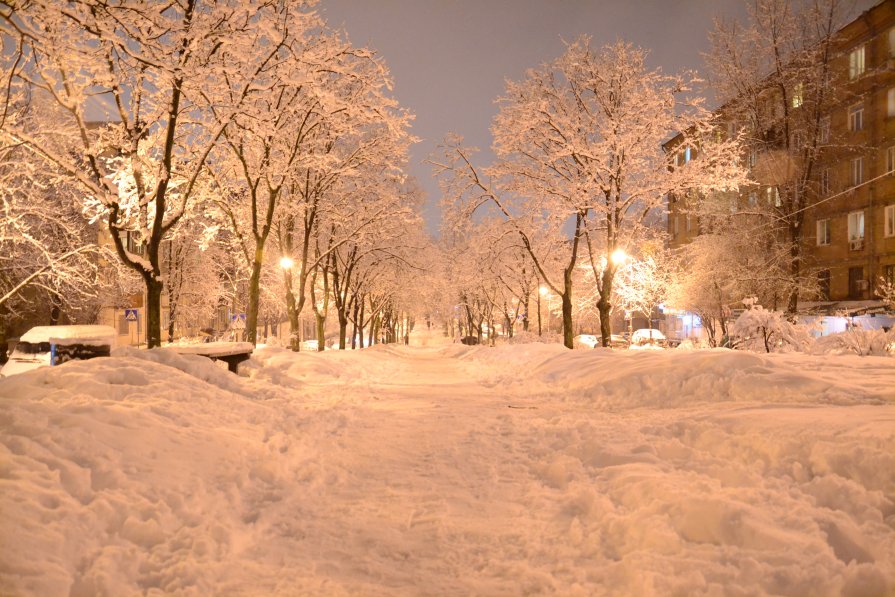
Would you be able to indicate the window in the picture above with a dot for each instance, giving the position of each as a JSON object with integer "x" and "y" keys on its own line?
{"x": 732, "y": 130}
{"x": 675, "y": 226}
{"x": 796, "y": 140}
{"x": 824, "y": 132}
{"x": 823, "y": 232}
{"x": 825, "y": 185}
{"x": 798, "y": 95}
{"x": 823, "y": 284}
{"x": 752, "y": 159}
{"x": 131, "y": 241}
{"x": 889, "y": 220}
{"x": 890, "y": 102}
{"x": 856, "y": 226}
{"x": 773, "y": 196}
{"x": 856, "y": 118}
{"x": 123, "y": 324}
{"x": 856, "y": 283}
{"x": 857, "y": 171}
{"x": 892, "y": 43}
{"x": 856, "y": 63}
{"x": 753, "y": 199}
{"x": 890, "y": 159}
{"x": 688, "y": 222}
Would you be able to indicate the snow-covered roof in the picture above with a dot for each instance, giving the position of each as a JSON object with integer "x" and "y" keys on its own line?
{"x": 69, "y": 334}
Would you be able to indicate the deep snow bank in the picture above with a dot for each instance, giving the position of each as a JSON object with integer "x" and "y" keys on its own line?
{"x": 450, "y": 470}
{"x": 615, "y": 379}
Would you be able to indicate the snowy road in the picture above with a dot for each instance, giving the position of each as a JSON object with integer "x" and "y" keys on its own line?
{"x": 451, "y": 471}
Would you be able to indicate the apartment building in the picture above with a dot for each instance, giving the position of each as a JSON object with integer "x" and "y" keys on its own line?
{"x": 848, "y": 232}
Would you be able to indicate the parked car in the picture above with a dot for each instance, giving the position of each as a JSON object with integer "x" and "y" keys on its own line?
{"x": 46, "y": 346}
{"x": 648, "y": 336}
{"x": 586, "y": 341}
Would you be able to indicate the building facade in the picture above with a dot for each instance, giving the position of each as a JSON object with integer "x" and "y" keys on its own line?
{"x": 847, "y": 233}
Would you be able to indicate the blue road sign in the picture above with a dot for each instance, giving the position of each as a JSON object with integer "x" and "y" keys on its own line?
{"x": 130, "y": 314}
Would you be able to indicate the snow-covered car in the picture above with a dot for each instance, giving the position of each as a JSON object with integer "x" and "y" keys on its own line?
{"x": 648, "y": 336}
{"x": 45, "y": 346}
{"x": 586, "y": 341}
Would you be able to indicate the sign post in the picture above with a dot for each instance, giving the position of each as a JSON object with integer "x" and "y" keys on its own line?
{"x": 132, "y": 315}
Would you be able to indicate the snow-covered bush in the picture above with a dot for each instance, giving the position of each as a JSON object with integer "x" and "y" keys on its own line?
{"x": 760, "y": 330}
{"x": 693, "y": 344}
{"x": 857, "y": 341}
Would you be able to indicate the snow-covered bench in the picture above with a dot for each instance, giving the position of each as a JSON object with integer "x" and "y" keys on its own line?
{"x": 232, "y": 353}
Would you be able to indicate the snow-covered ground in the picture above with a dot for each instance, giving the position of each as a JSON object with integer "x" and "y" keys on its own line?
{"x": 450, "y": 470}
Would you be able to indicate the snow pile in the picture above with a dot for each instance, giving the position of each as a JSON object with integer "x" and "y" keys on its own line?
{"x": 525, "y": 469}
{"x": 857, "y": 341}
{"x": 615, "y": 380}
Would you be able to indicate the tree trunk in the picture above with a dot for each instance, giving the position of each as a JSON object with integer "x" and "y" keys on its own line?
{"x": 795, "y": 267}
{"x": 343, "y": 328}
{"x": 604, "y": 306}
{"x": 568, "y": 332}
{"x": 171, "y": 314}
{"x": 154, "y": 289}
{"x": 321, "y": 324}
{"x": 254, "y": 297}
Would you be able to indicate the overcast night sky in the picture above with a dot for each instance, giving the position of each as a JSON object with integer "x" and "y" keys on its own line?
{"x": 449, "y": 58}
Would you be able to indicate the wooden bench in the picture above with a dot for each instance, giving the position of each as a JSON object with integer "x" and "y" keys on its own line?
{"x": 232, "y": 353}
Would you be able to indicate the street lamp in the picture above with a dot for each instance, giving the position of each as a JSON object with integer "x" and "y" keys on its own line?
{"x": 618, "y": 257}
{"x": 286, "y": 262}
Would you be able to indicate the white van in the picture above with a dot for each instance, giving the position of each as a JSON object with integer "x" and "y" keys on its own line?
{"x": 49, "y": 345}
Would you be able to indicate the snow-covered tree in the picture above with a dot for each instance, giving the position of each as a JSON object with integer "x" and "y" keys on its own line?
{"x": 758, "y": 329}
{"x": 645, "y": 280}
{"x": 152, "y": 72}
{"x": 579, "y": 142}
{"x": 776, "y": 77}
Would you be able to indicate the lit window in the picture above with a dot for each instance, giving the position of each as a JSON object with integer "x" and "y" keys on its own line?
{"x": 825, "y": 185}
{"x": 798, "y": 95}
{"x": 857, "y": 171}
{"x": 823, "y": 232}
{"x": 796, "y": 140}
{"x": 856, "y": 63}
{"x": 686, "y": 155}
{"x": 855, "y": 226}
{"x": 752, "y": 159}
{"x": 892, "y": 42}
{"x": 856, "y": 117}
{"x": 773, "y": 194}
{"x": 890, "y": 103}
{"x": 889, "y": 218}
{"x": 890, "y": 159}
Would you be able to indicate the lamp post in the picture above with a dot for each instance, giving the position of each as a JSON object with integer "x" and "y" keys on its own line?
{"x": 543, "y": 291}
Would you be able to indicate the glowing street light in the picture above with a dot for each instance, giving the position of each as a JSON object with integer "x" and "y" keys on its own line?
{"x": 286, "y": 262}
{"x": 618, "y": 257}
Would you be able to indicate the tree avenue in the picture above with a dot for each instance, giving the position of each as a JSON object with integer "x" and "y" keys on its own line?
{"x": 580, "y": 160}
{"x": 233, "y": 121}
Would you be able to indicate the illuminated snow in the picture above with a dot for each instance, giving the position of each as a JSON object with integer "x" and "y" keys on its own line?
{"x": 451, "y": 470}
